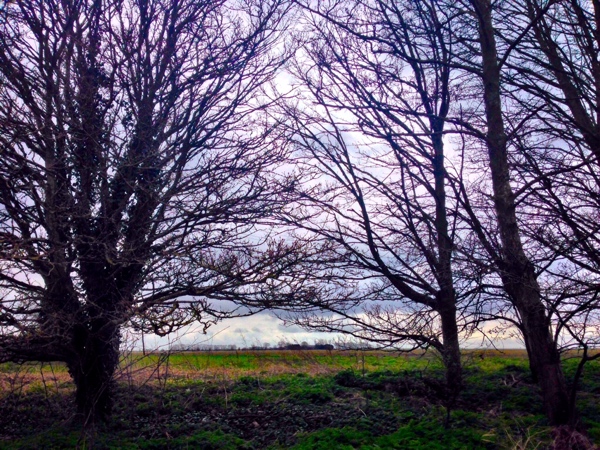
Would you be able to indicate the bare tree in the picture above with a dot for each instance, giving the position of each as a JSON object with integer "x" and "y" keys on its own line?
{"x": 516, "y": 268}
{"x": 135, "y": 163}
{"x": 373, "y": 69}
{"x": 378, "y": 77}
{"x": 555, "y": 68}
{"x": 554, "y": 75}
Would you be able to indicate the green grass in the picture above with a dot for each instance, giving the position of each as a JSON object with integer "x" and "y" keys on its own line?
{"x": 57, "y": 439}
{"x": 299, "y": 400}
{"x": 255, "y": 361}
{"x": 424, "y": 434}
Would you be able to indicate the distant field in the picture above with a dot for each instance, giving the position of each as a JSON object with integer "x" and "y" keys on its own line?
{"x": 272, "y": 362}
{"x": 138, "y": 368}
{"x": 293, "y": 399}
{"x": 207, "y": 365}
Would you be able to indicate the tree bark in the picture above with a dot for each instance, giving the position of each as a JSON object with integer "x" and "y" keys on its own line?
{"x": 516, "y": 270}
{"x": 92, "y": 368}
{"x": 446, "y": 296}
{"x": 451, "y": 355}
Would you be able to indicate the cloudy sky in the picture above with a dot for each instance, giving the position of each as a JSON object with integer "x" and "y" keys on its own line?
{"x": 243, "y": 332}
{"x": 265, "y": 328}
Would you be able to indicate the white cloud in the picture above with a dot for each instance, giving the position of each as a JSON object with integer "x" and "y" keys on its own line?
{"x": 242, "y": 331}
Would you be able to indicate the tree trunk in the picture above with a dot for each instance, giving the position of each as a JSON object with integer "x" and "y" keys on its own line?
{"x": 446, "y": 296}
{"x": 451, "y": 355}
{"x": 93, "y": 369}
{"x": 516, "y": 270}
{"x": 544, "y": 360}
{"x": 534, "y": 375}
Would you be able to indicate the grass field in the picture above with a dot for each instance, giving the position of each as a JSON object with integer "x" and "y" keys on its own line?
{"x": 299, "y": 400}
